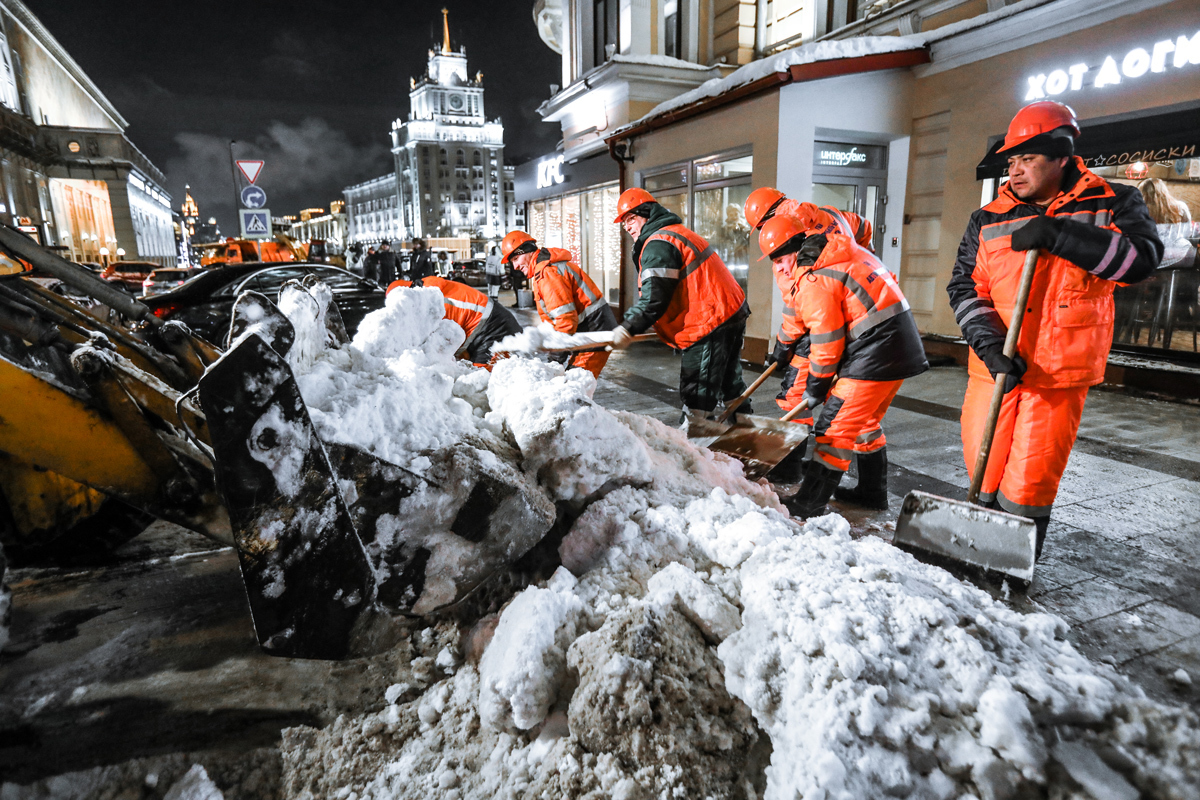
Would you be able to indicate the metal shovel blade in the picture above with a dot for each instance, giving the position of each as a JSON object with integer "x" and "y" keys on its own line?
{"x": 967, "y": 533}
{"x": 760, "y": 443}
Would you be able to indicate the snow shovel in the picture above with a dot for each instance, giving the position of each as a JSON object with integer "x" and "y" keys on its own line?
{"x": 760, "y": 443}
{"x": 966, "y": 532}
{"x": 704, "y": 431}
{"x": 580, "y": 348}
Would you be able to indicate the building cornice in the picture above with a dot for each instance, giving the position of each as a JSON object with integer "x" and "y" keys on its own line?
{"x": 1030, "y": 22}
{"x": 33, "y": 26}
{"x": 680, "y": 75}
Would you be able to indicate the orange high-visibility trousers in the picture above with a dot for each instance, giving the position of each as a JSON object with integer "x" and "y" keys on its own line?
{"x": 1034, "y": 436}
{"x": 593, "y": 362}
{"x": 851, "y": 420}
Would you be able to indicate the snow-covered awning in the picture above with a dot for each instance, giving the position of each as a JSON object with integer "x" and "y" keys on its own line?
{"x": 807, "y": 62}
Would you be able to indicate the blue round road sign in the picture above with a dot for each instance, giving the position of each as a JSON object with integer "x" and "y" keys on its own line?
{"x": 254, "y": 197}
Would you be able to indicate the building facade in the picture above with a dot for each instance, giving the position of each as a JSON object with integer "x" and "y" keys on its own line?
{"x": 330, "y": 227}
{"x": 450, "y": 180}
{"x": 69, "y": 177}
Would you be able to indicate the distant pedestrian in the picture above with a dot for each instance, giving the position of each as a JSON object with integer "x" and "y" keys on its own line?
{"x": 494, "y": 270}
{"x": 387, "y": 264}
{"x": 371, "y": 265}
{"x": 443, "y": 264}
{"x": 420, "y": 265}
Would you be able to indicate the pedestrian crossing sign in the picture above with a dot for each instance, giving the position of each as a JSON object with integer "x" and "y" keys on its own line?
{"x": 256, "y": 223}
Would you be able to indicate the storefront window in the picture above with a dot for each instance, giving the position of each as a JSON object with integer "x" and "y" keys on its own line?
{"x": 709, "y": 195}
{"x": 554, "y": 224}
{"x": 1162, "y": 313}
{"x": 582, "y": 223}
{"x": 537, "y": 220}
{"x": 571, "y": 233}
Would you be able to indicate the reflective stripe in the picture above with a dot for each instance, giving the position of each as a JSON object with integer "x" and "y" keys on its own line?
{"x": 976, "y": 313}
{"x": 698, "y": 261}
{"x": 815, "y": 368}
{"x": 986, "y": 497}
{"x": 581, "y": 282}
{"x": 487, "y": 310}
{"x": 1098, "y": 218}
{"x": 999, "y": 229}
{"x": 876, "y": 317}
{"x": 465, "y": 305}
{"x": 565, "y": 308}
{"x": 788, "y": 311}
{"x": 660, "y": 272}
{"x": 1023, "y": 511}
{"x": 1116, "y": 276}
{"x": 698, "y": 256}
{"x": 592, "y": 309}
{"x": 836, "y": 452}
{"x": 831, "y": 336}
{"x": 969, "y": 303}
{"x": 869, "y": 436}
{"x": 846, "y": 279}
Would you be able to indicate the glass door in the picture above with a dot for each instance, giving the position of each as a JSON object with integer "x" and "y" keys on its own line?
{"x": 858, "y": 196}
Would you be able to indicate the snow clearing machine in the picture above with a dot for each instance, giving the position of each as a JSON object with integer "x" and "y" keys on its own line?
{"x": 105, "y": 427}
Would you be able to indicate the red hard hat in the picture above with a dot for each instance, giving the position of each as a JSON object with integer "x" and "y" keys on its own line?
{"x": 759, "y": 203}
{"x": 511, "y": 242}
{"x": 631, "y": 199}
{"x": 782, "y": 228}
{"x": 1038, "y": 118}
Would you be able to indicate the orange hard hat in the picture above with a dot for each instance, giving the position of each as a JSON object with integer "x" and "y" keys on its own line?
{"x": 631, "y": 199}
{"x": 511, "y": 242}
{"x": 1038, "y": 118}
{"x": 782, "y": 228}
{"x": 759, "y": 204}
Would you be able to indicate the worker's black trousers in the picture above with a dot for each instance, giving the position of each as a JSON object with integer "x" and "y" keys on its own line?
{"x": 711, "y": 371}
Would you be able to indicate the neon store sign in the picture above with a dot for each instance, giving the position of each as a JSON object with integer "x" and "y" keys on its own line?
{"x": 1168, "y": 54}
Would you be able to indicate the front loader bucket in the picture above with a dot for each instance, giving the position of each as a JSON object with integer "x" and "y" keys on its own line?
{"x": 939, "y": 529}
{"x": 306, "y": 573}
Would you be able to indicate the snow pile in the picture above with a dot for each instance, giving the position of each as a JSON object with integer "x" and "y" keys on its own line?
{"x": 805, "y": 54}
{"x": 693, "y": 619}
{"x": 544, "y": 337}
{"x": 195, "y": 785}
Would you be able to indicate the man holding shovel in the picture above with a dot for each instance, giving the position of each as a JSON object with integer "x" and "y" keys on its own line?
{"x": 564, "y": 294}
{"x": 689, "y": 297}
{"x": 864, "y": 343}
{"x": 1092, "y": 236}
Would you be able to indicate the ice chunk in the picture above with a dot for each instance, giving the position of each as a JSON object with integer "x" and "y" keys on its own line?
{"x": 195, "y": 785}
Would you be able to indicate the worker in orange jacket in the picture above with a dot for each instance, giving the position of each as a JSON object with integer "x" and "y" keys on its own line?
{"x": 765, "y": 202}
{"x": 565, "y": 296}
{"x": 1093, "y": 236}
{"x": 690, "y": 298}
{"x": 483, "y": 321}
{"x": 864, "y": 343}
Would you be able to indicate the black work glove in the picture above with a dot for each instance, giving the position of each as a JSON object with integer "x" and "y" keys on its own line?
{"x": 1040, "y": 232}
{"x": 782, "y": 355}
{"x": 999, "y": 364}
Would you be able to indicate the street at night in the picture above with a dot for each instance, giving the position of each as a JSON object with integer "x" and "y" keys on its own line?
{"x": 695, "y": 398}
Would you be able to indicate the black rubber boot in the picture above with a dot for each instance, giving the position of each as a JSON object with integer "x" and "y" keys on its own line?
{"x": 871, "y": 491}
{"x": 1042, "y": 524}
{"x": 815, "y": 491}
{"x": 791, "y": 468}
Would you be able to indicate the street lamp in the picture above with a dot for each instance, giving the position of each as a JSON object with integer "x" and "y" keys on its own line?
{"x": 120, "y": 252}
{"x": 104, "y": 255}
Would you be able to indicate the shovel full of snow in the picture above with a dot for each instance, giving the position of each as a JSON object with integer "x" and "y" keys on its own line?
{"x": 705, "y": 431}
{"x": 760, "y": 443}
{"x": 940, "y": 529}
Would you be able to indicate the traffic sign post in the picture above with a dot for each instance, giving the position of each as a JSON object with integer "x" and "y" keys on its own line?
{"x": 256, "y": 223}
{"x": 250, "y": 169}
{"x": 253, "y": 197}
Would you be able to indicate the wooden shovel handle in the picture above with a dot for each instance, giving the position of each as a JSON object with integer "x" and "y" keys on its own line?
{"x": 578, "y": 348}
{"x": 795, "y": 412}
{"x": 732, "y": 407}
{"x": 1010, "y": 349}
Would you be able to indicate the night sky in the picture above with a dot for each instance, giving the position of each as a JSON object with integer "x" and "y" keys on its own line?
{"x": 310, "y": 87}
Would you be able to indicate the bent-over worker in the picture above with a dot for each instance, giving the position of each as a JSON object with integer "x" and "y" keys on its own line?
{"x": 689, "y": 297}
{"x": 766, "y": 202}
{"x": 565, "y": 296}
{"x": 864, "y": 343}
{"x": 483, "y": 321}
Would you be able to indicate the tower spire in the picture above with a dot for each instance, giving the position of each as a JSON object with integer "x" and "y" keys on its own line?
{"x": 446, "y": 31}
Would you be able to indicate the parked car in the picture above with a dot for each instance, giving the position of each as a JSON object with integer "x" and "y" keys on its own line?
{"x": 129, "y": 274}
{"x": 164, "y": 279}
{"x": 205, "y": 303}
{"x": 472, "y": 273}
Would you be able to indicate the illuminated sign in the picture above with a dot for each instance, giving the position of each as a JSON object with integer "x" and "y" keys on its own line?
{"x": 549, "y": 172}
{"x": 860, "y": 156}
{"x": 1178, "y": 53}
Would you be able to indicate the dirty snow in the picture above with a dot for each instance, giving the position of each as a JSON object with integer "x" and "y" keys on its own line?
{"x": 696, "y": 642}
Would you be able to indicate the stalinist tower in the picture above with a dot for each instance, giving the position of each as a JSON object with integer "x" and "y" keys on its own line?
{"x": 449, "y": 158}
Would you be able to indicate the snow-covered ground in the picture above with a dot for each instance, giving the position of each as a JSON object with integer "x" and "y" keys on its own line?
{"x": 692, "y": 620}
{"x": 696, "y": 642}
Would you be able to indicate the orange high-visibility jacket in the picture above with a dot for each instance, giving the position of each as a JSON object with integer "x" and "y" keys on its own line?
{"x": 562, "y": 292}
{"x": 860, "y": 231}
{"x": 1107, "y": 239}
{"x": 858, "y": 320}
{"x": 705, "y": 297}
{"x": 465, "y": 307}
